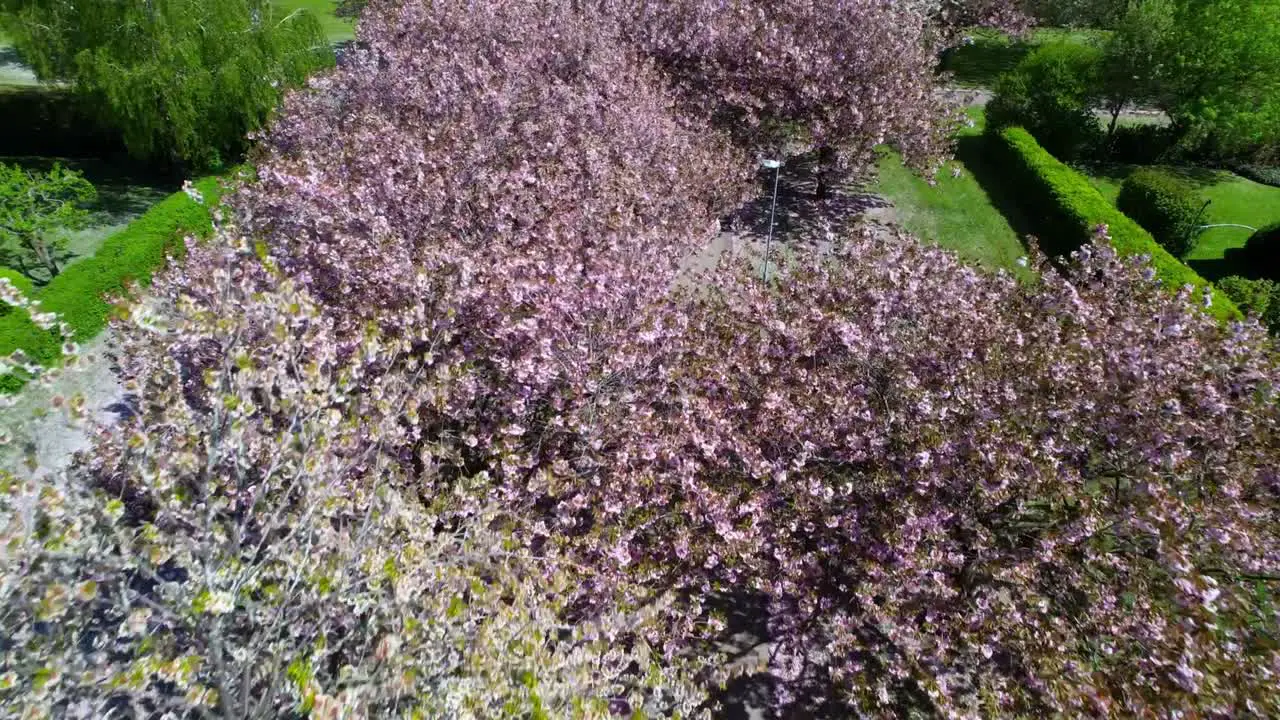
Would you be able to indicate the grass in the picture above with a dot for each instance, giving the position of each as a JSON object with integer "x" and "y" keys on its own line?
{"x": 993, "y": 53}
{"x": 1234, "y": 199}
{"x": 336, "y": 28}
{"x": 959, "y": 213}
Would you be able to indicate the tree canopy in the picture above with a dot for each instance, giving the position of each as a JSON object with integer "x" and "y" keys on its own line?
{"x": 438, "y": 424}
{"x": 1212, "y": 65}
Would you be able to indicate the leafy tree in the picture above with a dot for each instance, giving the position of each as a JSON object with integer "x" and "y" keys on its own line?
{"x": 1051, "y": 93}
{"x": 1223, "y": 85}
{"x": 36, "y": 211}
{"x": 183, "y": 80}
{"x": 1134, "y": 58}
{"x": 1212, "y": 65}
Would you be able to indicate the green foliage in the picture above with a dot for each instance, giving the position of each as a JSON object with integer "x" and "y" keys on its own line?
{"x": 1265, "y": 174}
{"x": 36, "y": 212}
{"x": 1071, "y": 208}
{"x": 1051, "y": 93}
{"x": 37, "y": 209}
{"x": 80, "y": 295}
{"x": 1077, "y": 13}
{"x": 1257, "y": 297}
{"x": 1145, "y": 144}
{"x": 184, "y": 80}
{"x": 1133, "y": 56}
{"x": 1163, "y": 204}
{"x": 1224, "y": 80}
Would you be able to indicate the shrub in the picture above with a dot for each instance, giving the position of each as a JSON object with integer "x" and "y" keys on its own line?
{"x": 1071, "y": 208}
{"x": 1163, "y": 204}
{"x": 1257, "y": 297}
{"x": 1146, "y": 144}
{"x": 82, "y": 295}
{"x": 1051, "y": 93}
{"x": 1265, "y": 174}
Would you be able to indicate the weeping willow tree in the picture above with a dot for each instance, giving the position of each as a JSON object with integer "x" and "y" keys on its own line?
{"x": 183, "y": 80}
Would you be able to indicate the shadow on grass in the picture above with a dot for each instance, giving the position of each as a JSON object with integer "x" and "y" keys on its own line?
{"x": 983, "y": 61}
{"x": 1197, "y": 177}
{"x": 975, "y": 152}
{"x": 803, "y": 219}
{"x": 1233, "y": 262}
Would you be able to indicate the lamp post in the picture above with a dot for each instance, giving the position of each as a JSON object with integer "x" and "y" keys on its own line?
{"x": 776, "y": 167}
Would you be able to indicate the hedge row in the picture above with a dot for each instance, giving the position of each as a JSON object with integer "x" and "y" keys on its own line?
{"x": 79, "y": 294}
{"x": 1071, "y": 207}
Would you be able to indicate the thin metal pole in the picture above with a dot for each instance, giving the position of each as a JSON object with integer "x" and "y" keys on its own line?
{"x": 768, "y": 243}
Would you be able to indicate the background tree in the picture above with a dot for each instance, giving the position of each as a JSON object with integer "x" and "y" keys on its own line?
{"x": 36, "y": 211}
{"x": 1222, "y": 88}
{"x": 772, "y": 72}
{"x": 1051, "y": 92}
{"x": 183, "y": 80}
{"x": 1135, "y": 56}
{"x": 1212, "y": 65}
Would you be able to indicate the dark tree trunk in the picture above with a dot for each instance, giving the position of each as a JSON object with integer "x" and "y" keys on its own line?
{"x": 823, "y": 172}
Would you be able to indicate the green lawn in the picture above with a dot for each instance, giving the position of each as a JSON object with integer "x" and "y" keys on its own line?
{"x": 993, "y": 53}
{"x": 968, "y": 214}
{"x": 336, "y": 28}
{"x": 1233, "y": 200}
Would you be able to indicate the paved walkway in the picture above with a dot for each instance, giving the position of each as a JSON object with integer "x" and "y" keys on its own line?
{"x": 801, "y": 219}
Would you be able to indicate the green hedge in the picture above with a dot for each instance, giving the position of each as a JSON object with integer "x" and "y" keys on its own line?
{"x": 78, "y": 295}
{"x": 1163, "y": 204}
{"x": 1071, "y": 207}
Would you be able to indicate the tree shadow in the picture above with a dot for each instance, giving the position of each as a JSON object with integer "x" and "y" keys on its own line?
{"x": 976, "y": 153}
{"x": 984, "y": 60}
{"x": 1198, "y": 177}
{"x": 1235, "y": 261}
{"x": 801, "y": 218}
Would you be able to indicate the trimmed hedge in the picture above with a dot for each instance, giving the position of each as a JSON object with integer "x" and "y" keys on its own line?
{"x": 79, "y": 293}
{"x": 1071, "y": 207}
{"x": 1163, "y": 204}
